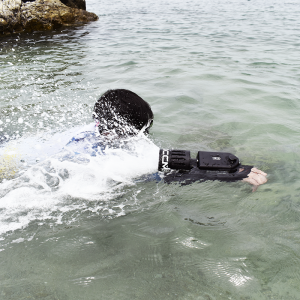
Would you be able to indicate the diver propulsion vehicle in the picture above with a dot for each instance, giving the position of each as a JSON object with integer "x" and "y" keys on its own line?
{"x": 178, "y": 166}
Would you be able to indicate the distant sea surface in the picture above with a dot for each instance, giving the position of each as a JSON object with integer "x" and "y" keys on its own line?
{"x": 219, "y": 76}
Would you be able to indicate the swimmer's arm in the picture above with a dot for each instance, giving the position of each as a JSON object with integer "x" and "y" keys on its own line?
{"x": 244, "y": 173}
{"x": 256, "y": 178}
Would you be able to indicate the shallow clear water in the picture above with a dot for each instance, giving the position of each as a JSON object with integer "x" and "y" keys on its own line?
{"x": 219, "y": 75}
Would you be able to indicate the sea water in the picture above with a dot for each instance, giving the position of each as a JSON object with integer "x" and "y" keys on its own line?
{"x": 219, "y": 76}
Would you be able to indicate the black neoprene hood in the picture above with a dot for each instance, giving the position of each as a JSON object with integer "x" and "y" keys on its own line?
{"x": 118, "y": 108}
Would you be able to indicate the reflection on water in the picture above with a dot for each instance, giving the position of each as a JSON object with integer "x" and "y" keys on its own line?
{"x": 219, "y": 75}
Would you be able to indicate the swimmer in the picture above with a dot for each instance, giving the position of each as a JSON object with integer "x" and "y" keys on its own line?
{"x": 122, "y": 113}
{"x": 119, "y": 114}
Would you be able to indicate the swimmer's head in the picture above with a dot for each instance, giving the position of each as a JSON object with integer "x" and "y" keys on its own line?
{"x": 123, "y": 112}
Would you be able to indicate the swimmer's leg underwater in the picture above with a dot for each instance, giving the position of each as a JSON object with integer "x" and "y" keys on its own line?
{"x": 9, "y": 162}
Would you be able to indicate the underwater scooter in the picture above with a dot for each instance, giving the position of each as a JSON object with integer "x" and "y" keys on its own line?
{"x": 178, "y": 166}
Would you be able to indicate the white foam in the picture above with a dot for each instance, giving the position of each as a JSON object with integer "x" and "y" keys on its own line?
{"x": 54, "y": 187}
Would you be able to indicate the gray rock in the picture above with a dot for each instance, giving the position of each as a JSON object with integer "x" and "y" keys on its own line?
{"x": 70, "y": 3}
{"x": 75, "y": 3}
{"x": 20, "y": 16}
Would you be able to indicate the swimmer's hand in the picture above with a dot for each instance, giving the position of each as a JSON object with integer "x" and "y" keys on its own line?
{"x": 256, "y": 177}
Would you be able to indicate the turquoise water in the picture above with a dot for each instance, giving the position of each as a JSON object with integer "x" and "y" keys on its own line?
{"x": 219, "y": 75}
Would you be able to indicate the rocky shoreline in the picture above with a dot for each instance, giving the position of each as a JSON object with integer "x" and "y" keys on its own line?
{"x": 17, "y": 16}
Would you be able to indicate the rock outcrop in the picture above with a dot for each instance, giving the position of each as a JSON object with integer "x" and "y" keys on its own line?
{"x": 25, "y": 16}
{"x": 75, "y": 3}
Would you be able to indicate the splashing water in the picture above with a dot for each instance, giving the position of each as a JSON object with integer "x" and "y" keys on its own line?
{"x": 62, "y": 183}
